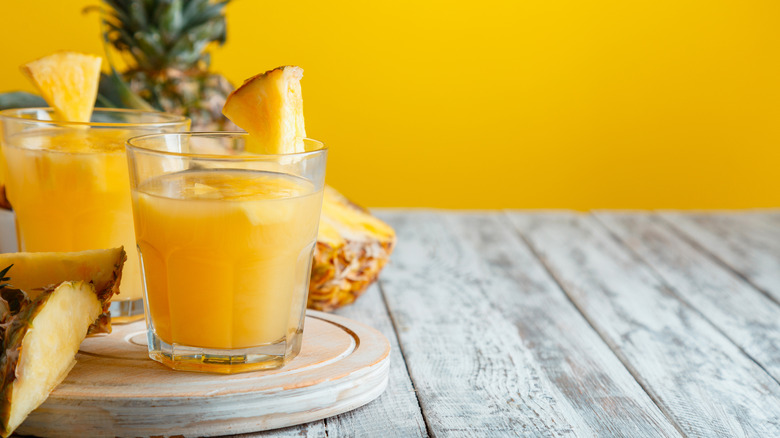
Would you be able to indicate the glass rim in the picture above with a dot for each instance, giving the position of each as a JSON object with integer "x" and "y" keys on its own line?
{"x": 167, "y": 119}
{"x": 129, "y": 144}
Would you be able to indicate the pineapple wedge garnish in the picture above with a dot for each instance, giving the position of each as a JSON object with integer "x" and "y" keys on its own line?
{"x": 269, "y": 107}
{"x": 352, "y": 246}
{"x": 32, "y": 272}
{"x": 68, "y": 82}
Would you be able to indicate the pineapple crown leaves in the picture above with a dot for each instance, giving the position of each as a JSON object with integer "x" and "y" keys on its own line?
{"x": 159, "y": 34}
{"x": 3, "y": 277}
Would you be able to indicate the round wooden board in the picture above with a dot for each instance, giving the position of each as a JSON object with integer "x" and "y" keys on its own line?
{"x": 115, "y": 390}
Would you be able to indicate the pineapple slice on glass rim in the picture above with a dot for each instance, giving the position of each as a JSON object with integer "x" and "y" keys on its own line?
{"x": 68, "y": 81}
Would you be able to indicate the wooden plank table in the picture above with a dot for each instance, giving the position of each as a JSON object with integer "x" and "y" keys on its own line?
{"x": 563, "y": 324}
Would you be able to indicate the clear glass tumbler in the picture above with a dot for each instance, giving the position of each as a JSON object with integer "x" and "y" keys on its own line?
{"x": 226, "y": 240}
{"x": 69, "y": 187}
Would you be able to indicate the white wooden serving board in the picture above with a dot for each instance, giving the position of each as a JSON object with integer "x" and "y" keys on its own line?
{"x": 115, "y": 390}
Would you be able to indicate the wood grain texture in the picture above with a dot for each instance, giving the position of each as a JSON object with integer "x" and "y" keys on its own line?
{"x": 115, "y": 391}
{"x": 701, "y": 380}
{"x": 746, "y": 242}
{"x": 396, "y": 413}
{"x": 743, "y": 314}
{"x": 474, "y": 372}
{"x": 314, "y": 429}
{"x": 573, "y": 377}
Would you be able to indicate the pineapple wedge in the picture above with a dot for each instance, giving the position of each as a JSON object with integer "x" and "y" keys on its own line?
{"x": 32, "y": 272}
{"x": 269, "y": 107}
{"x": 352, "y": 248}
{"x": 68, "y": 81}
{"x": 39, "y": 347}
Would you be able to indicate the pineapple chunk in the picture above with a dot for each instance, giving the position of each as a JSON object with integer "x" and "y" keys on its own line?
{"x": 269, "y": 107}
{"x": 68, "y": 82}
{"x": 39, "y": 348}
{"x": 352, "y": 248}
{"x": 32, "y": 272}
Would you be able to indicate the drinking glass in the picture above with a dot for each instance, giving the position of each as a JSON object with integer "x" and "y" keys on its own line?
{"x": 226, "y": 239}
{"x": 68, "y": 185}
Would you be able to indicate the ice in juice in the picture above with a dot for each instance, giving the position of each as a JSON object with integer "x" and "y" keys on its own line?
{"x": 226, "y": 255}
{"x": 70, "y": 192}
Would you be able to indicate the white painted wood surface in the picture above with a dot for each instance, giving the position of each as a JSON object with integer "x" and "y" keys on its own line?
{"x": 563, "y": 325}
{"x": 746, "y": 316}
{"x": 746, "y": 242}
{"x": 498, "y": 350}
{"x": 699, "y": 378}
{"x": 577, "y": 382}
{"x": 397, "y": 411}
{"x": 461, "y": 353}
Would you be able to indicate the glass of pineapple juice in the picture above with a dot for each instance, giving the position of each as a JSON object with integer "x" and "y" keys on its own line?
{"x": 226, "y": 240}
{"x": 69, "y": 187}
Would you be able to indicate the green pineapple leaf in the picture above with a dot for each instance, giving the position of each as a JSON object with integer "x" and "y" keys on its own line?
{"x": 3, "y": 277}
{"x": 165, "y": 45}
{"x": 20, "y": 99}
{"x": 127, "y": 98}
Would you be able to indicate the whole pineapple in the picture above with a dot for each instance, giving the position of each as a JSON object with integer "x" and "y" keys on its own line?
{"x": 166, "y": 43}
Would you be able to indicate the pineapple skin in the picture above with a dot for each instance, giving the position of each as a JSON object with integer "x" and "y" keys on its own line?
{"x": 352, "y": 248}
{"x": 12, "y": 301}
{"x": 11, "y": 352}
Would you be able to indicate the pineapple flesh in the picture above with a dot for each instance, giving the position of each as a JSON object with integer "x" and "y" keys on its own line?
{"x": 40, "y": 345}
{"x": 32, "y": 272}
{"x": 68, "y": 81}
{"x": 269, "y": 107}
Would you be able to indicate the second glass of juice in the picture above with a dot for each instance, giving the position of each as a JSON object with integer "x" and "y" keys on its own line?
{"x": 69, "y": 187}
{"x": 226, "y": 240}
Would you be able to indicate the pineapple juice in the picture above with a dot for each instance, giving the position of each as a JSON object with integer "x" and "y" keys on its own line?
{"x": 226, "y": 255}
{"x": 70, "y": 192}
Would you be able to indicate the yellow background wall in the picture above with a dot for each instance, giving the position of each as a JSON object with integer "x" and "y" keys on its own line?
{"x": 491, "y": 104}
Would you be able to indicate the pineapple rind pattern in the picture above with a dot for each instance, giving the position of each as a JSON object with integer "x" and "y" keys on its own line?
{"x": 15, "y": 330}
{"x": 347, "y": 258}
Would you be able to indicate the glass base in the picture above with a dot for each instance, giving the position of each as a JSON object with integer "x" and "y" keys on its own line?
{"x": 223, "y": 361}
{"x": 124, "y": 312}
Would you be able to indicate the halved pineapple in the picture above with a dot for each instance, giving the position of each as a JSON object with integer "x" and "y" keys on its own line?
{"x": 39, "y": 347}
{"x": 32, "y": 272}
{"x": 352, "y": 248}
{"x": 68, "y": 82}
{"x": 269, "y": 107}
